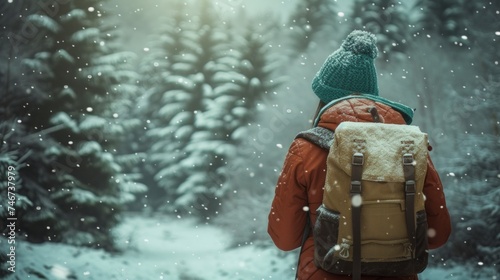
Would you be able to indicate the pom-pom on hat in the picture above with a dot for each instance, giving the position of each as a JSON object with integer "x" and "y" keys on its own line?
{"x": 350, "y": 69}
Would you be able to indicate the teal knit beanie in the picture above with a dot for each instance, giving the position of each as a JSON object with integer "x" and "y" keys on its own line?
{"x": 350, "y": 69}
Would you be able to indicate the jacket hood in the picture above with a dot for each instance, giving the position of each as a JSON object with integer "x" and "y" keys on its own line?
{"x": 356, "y": 108}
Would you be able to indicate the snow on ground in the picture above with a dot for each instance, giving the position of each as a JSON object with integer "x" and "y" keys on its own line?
{"x": 175, "y": 249}
{"x": 155, "y": 248}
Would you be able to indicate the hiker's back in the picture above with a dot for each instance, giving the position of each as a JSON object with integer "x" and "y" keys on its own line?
{"x": 347, "y": 87}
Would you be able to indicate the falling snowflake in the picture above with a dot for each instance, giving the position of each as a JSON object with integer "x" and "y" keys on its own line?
{"x": 356, "y": 200}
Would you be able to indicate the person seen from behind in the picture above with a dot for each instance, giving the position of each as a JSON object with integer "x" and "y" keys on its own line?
{"x": 347, "y": 83}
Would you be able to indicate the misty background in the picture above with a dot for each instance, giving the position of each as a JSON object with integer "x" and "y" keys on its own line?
{"x": 184, "y": 110}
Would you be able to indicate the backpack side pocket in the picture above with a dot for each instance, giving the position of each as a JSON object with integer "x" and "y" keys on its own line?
{"x": 325, "y": 238}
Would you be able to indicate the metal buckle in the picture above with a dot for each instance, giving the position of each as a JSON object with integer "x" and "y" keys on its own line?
{"x": 357, "y": 159}
{"x": 408, "y": 159}
{"x": 355, "y": 187}
{"x": 410, "y": 186}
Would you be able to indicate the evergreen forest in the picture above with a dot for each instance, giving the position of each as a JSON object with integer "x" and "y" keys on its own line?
{"x": 192, "y": 119}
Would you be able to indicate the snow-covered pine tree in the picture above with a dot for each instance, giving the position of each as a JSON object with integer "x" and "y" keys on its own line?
{"x": 79, "y": 74}
{"x": 251, "y": 169}
{"x": 445, "y": 18}
{"x": 475, "y": 168}
{"x": 474, "y": 171}
{"x": 179, "y": 93}
{"x": 484, "y": 25}
{"x": 171, "y": 101}
{"x": 248, "y": 80}
{"x": 257, "y": 64}
{"x": 309, "y": 18}
{"x": 21, "y": 150}
{"x": 201, "y": 183}
{"x": 479, "y": 97}
{"x": 15, "y": 33}
{"x": 210, "y": 80}
{"x": 167, "y": 47}
{"x": 167, "y": 86}
{"x": 461, "y": 77}
{"x": 388, "y": 20}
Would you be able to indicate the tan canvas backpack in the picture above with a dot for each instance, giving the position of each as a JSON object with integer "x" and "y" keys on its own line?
{"x": 372, "y": 220}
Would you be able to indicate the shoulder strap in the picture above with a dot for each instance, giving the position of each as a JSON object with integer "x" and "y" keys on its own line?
{"x": 319, "y": 136}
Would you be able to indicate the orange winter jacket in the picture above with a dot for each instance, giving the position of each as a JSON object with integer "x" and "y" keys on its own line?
{"x": 300, "y": 188}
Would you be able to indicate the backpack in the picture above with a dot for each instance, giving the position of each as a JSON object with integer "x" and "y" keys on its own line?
{"x": 372, "y": 220}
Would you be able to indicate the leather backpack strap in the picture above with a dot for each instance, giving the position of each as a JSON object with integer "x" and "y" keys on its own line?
{"x": 409, "y": 173}
{"x": 356, "y": 175}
